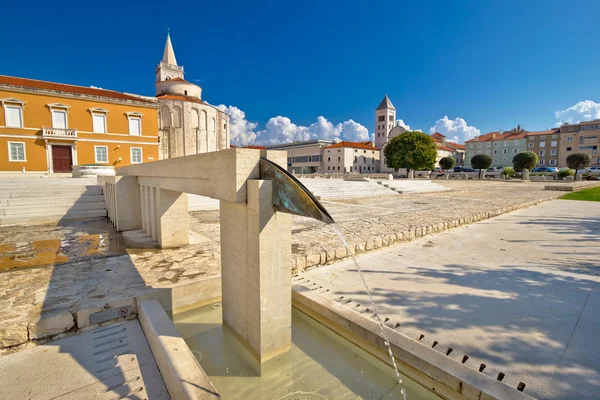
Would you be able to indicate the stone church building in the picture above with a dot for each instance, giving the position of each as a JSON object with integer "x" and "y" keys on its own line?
{"x": 187, "y": 125}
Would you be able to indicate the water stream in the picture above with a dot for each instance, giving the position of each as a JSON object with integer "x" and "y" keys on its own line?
{"x": 374, "y": 307}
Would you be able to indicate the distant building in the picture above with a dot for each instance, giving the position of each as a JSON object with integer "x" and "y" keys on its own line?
{"x": 583, "y": 137}
{"x": 386, "y": 129}
{"x": 501, "y": 147}
{"x": 546, "y": 145}
{"x": 304, "y": 157}
{"x": 351, "y": 157}
{"x": 51, "y": 127}
{"x": 188, "y": 125}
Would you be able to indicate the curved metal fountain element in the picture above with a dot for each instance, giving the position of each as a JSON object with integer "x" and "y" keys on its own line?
{"x": 290, "y": 195}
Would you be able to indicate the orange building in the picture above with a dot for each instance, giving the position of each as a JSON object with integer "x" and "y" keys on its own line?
{"x": 50, "y": 127}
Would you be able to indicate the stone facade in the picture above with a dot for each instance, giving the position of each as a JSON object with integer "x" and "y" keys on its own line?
{"x": 501, "y": 147}
{"x": 545, "y": 145}
{"x": 351, "y": 157}
{"x": 579, "y": 138}
{"x": 187, "y": 125}
{"x": 304, "y": 157}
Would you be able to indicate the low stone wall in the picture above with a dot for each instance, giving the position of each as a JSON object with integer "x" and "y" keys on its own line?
{"x": 572, "y": 186}
{"x": 329, "y": 255}
{"x": 83, "y": 171}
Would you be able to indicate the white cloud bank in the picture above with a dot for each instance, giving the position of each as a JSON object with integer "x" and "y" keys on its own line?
{"x": 582, "y": 111}
{"x": 282, "y": 130}
{"x": 455, "y": 130}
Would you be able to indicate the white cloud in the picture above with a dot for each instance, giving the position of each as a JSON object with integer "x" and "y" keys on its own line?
{"x": 455, "y": 130}
{"x": 282, "y": 130}
{"x": 402, "y": 124}
{"x": 582, "y": 111}
{"x": 241, "y": 130}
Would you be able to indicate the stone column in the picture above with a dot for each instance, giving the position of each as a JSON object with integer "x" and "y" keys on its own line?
{"x": 525, "y": 175}
{"x": 482, "y": 174}
{"x": 126, "y": 203}
{"x": 256, "y": 272}
{"x": 173, "y": 223}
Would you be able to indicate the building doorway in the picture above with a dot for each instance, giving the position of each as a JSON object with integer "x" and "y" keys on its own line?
{"x": 62, "y": 159}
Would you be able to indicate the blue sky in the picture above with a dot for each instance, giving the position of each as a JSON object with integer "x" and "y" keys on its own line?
{"x": 491, "y": 64}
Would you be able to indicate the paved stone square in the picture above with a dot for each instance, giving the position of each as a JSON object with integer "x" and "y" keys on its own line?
{"x": 30, "y": 292}
{"x": 519, "y": 293}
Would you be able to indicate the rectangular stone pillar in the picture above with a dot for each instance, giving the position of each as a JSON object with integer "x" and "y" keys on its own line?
{"x": 256, "y": 272}
{"x": 124, "y": 202}
{"x": 143, "y": 206}
{"x": 173, "y": 223}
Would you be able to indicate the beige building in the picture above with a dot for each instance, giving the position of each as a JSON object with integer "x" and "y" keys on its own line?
{"x": 448, "y": 149}
{"x": 351, "y": 157}
{"x": 583, "y": 137}
{"x": 304, "y": 157}
{"x": 187, "y": 124}
{"x": 546, "y": 145}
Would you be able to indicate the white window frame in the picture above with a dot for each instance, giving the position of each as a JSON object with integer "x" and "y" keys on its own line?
{"x": 541, "y": 161}
{"x": 516, "y": 142}
{"x": 506, "y": 143}
{"x": 131, "y": 155}
{"x": 530, "y": 145}
{"x": 59, "y": 107}
{"x": 570, "y": 139}
{"x": 552, "y": 162}
{"x": 12, "y": 103}
{"x": 101, "y": 112}
{"x": 134, "y": 115}
{"x": 553, "y": 152}
{"x": 542, "y": 153}
{"x": 96, "y": 155}
{"x": 542, "y": 144}
{"x": 515, "y": 151}
{"x": 553, "y": 143}
{"x": 10, "y": 152}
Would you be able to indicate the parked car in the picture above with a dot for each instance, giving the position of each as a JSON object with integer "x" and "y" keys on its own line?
{"x": 593, "y": 170}
{"x": 494, "y": 169}
{"x": 545, "y": 169}
{"x": 459, "y": 169}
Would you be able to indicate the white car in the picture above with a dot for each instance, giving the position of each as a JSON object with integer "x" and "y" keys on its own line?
{"x": 593, "y": 170}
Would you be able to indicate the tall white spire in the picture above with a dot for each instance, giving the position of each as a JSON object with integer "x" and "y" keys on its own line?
{"x": 169, "y": 54}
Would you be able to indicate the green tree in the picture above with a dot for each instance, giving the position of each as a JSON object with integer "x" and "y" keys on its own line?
{"x": 481, "y": 161}
{"x": 411, "y": 150}
{"x": 578, "y": 161}
{"x": 447, "y": 163}
{"x": 525, "y": 160}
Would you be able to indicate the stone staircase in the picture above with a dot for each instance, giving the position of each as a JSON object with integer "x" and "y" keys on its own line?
{"x": 201, "y": 203}
{"x": 412, "y": 185}
{"x": 344, "y": 189}
{"x": 31, "y": 201}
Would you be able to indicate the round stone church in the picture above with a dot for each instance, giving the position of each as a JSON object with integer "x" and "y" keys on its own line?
{"x": 187, "y": 124}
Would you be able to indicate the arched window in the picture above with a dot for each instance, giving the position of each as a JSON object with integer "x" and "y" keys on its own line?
{"x": 177, "y": 117}
{"x": 165, "y": 116}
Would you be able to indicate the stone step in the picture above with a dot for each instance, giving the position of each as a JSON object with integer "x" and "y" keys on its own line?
{"x": 36, "y": 219}
{"x": 25, "y": 201}
{"x": 50, "y": 207}
{"x": 45, "y": 192}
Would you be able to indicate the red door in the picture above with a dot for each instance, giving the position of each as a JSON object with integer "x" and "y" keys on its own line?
{"x": 61, "y": 158}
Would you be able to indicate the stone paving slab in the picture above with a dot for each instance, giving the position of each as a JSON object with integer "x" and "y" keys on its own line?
{"x": 518, "y": 293}
{"x": 44, "y": 296}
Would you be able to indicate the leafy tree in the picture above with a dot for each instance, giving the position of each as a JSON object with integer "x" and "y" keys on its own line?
{"x": 411, "y": 150}
{"x": 578, "y": 161}
{"x": 447, "y": 163}
{"x": 481, "y": 161}
{"x": 509, "y": 172}
{"x": 525, "y": 160}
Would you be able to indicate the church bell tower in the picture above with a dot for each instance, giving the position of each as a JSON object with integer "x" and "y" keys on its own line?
{"x": 385, "y": 117}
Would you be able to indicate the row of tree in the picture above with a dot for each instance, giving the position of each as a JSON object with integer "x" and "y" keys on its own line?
{"x": 416, "y": 150}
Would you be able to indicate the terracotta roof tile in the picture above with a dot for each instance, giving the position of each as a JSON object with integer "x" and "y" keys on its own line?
{"x": 484, "y": 138}
{"x": 446, "y": 148}
{"x": 179, "y": 97}
{"x": 354, "y": 145}
{"x": 456, "y": 145}
{"x": 62, "y": 87}
{"x": 437, "y": 135}
{"x": 549, "y": 132}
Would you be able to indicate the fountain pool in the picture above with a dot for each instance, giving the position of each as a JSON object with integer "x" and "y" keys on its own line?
{"x": 320, "y": 364}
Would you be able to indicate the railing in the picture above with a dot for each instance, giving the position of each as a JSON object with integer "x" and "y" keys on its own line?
{"x": 59, "y": 132}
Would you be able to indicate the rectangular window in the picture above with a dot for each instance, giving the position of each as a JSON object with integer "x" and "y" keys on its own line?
{"x": 391, "y": 118}
{"x": 505, "y": 151}
{"x": 99, "y": 123}
{"x": 542, "y": 152}
{"x": 543, "y": 137}
{"x": 553, "y": 152}
{"x": 506, "y": 143}
{"x": 136, "y": 155}
{"x": 516, "y": 142}
{"x": 530, "y": 145}
{"x": 495, "y": 161}
{"x": 570, "y": 138}
{"x": 554, "y": 136}
{"x": 553, "y": 143}
{"x": 488, "y": 152}
{"x": 541, "y": 162}
{"x": 339, "y": 159}
{"x": 542, "y": 144}
{"x": 14, "y": 116}
{"x": 381, "y": 118}
{"x": 552, "y": 162}
{"x": 16, "y": 151}
{"x": 568, "y": 148}
{"x": 101, "y": 153}
{"x": 495, "y": 151}
{"x": 59, "y": 119}
{"x": 515, "y": 151}
{"x": 135, "y": 126}
{"x": 495, "y": 144}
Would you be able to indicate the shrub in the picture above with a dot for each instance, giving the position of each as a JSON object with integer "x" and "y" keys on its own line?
{"x": 481, "y": 161}
{"x": 578, "y": 161}
{"x": 563, "y": 173}
{"x": 525, "y": 160}
{"x": 508, "y": 172}
{"x": 447, "y": 163}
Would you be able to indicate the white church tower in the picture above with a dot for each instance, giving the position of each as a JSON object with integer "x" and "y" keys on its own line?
{"x": 187, "y": 124}
{"x": 385, "y": 118}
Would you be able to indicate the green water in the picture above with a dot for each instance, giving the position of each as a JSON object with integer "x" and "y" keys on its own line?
{"x": 320, "y": 364}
